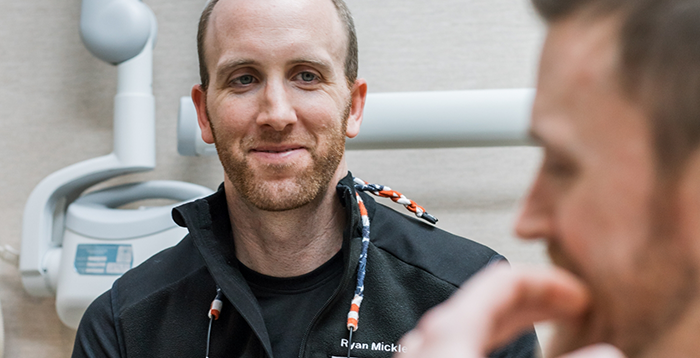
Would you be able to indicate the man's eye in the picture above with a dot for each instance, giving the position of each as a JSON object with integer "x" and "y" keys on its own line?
{"x": 245, "y": 79}
{"x": 307, "y": 76}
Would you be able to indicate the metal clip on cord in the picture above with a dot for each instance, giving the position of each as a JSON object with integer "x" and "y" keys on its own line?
{"x": 383, "y": 191}
{"x": 214, "y": 312}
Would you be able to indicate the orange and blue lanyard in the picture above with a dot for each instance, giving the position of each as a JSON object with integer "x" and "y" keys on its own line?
{"x": 386, "y": 192}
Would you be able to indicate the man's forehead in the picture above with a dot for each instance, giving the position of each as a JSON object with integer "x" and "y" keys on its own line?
{"x": 581, "y": 51}
{"x": 276, "y": 19}
{"x": 265, "y": 10}
{"x": 580, "y": 105}
{"x": 578, "y": 67}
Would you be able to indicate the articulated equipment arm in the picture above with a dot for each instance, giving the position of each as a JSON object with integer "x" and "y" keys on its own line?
{"x": 119, "y": 32}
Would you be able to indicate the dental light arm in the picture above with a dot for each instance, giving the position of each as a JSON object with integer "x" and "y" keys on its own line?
{"x": 119, "y": 32}
{"x": 439, "y": 119}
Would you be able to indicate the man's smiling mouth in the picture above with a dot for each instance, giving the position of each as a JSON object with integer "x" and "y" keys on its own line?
{"x": 276, "y": 149}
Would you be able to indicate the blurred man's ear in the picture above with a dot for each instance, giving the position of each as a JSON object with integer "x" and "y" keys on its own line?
{"x": 357, "y": 97}
{"x": 199, "y": 97}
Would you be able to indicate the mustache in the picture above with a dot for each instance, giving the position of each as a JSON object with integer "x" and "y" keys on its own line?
{"x": 274, "y": 137}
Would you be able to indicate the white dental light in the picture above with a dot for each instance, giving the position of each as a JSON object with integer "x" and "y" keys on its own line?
{"x": 116, "y": 30}
{"x": 63, "y": 254}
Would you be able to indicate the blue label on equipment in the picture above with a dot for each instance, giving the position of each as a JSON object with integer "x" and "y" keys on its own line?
{"x": 103, "y": 259}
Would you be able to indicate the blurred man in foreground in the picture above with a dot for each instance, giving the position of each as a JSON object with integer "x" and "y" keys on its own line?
{"x": 617, "y": 197}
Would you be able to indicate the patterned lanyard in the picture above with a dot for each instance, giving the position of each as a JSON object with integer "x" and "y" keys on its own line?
{"x": 386, "y": 192}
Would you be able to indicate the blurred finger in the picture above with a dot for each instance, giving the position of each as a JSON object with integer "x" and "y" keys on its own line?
{"x": 595, "y": 351}
{"x": 493, "y": 308}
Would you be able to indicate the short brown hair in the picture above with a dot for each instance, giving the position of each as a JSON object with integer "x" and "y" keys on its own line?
{"x": 659, "y": 64}
{"x": 351, "y": 55}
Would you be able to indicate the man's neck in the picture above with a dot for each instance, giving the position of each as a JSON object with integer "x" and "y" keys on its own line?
{"x": 287, "y": 243}
{"x": 680, "y": 340}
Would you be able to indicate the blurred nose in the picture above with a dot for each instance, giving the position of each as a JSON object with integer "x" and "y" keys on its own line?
{"x": 536, "y": 218}
{"x": 276, "y": 108}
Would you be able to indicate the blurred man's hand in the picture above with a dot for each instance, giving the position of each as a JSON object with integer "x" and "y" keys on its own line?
{"x": 494, "y": 307}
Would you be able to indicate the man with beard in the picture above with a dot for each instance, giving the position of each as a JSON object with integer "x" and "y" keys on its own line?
{"x": 288, "y": 255}
{"x": 617, "y": 197}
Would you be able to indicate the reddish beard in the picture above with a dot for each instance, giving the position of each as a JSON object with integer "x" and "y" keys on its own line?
{"x": 634, "y": 312}
{"x": 309, "y": 183}
{"x": 586, "y": 329}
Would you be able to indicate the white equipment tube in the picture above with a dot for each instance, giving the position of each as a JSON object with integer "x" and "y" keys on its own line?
{"x": 468, "y": 118}
{"x": 134, "y": 151}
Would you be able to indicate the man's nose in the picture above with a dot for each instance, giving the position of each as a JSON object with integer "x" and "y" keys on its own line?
{"x": 276, "y": 108}
{"x": 536, "y": 219}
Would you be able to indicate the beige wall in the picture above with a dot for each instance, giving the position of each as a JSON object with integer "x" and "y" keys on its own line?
{"x": 56, "y": 103}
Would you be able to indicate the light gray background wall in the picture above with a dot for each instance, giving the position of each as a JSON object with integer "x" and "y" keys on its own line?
{"x": 56, "y": 110}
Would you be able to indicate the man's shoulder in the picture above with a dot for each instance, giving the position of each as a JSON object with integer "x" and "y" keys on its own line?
{"x": 164, "y": 271}
{"x": 172, "y": 286}
{"x": 450, "y": 257}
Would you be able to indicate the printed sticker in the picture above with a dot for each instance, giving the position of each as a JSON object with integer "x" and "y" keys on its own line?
{"x": 103, "y": 259}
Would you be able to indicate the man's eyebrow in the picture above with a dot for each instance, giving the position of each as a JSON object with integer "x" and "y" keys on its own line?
{"x": 322, "y": 65}
{"x": 540, "y": 141}
{"x": 551, "y": 146}
{"x": 226, "y": 67}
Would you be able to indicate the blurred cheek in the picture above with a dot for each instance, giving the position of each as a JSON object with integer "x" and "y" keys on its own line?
{"x": 601, "y": 227}
{"x": 581, "y": 237}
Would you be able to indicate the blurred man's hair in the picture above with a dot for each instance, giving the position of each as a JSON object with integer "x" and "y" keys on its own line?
{"x": 351, "y": 61}
{"x": 659, "y": 65}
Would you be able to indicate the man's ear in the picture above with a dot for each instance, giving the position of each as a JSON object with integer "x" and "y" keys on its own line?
{"x": 357, "y": 98}
{"x": 199, "y": 97}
